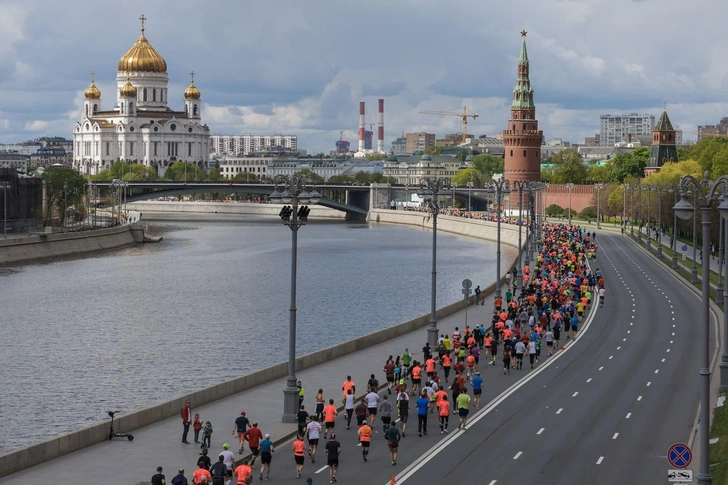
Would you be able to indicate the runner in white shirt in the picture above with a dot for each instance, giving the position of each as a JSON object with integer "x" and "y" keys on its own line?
{"x": 372, "y": 400}
{"x": 601, "y": 297}
{"x": 349, "y": 407}
{"x": 313, "y": 429}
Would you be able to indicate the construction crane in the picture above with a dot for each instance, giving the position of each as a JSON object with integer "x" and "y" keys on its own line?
{"x": 464, "y": 115}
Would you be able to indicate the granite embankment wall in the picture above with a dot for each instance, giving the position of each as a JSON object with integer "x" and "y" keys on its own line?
{"x": 61, "y": 445}
{"x": 36, "y": 247}
{"x": 247, "y": 208}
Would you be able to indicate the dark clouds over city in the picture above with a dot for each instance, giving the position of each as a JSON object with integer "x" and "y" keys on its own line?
{"x": 301, "y": 67}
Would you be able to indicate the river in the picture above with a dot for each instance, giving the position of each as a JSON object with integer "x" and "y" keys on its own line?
{"x": 127, "y": 329}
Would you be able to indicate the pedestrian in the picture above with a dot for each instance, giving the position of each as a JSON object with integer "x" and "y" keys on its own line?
{"x": 197, "y": 426}
{"x": 506, "y": 359}
{"x": 204, "y": 459}
{"x": 206, "y": 435}
{"x": 229, "y": 460}
{"x": 158, "y": 478}
{"x": 532, "y": 351}
{"x": 244, "y": 473}
{"x": 361, "y": 411}
{"x": 365, "y": 439}
{"x": 423, "y": 406}
{"x": 477, "y": 383}
{"x": 403, "y": 409}
{"x": 242, "y": 423}
{"x": 218, "y": 471}
{"x": 302, "y": 418}
{"x": 186, "y": 421}
{"x": 385, "y": 410}
{"x": 200, "y": 475}
{"x": 301, "y": 391}
{"x": 406, "y": 359}
{"x": 373, "y": 384}
{"x": 477, "y": 294}
{"x": 180, "y": 478}
{"x": 443, "y": 408}
{"x": 254, "y": 435}
{"x": 446, "y": 362}
{"x": 389, "y": 374}
{"x": 333, "y": 449}
{"x": 320, "y": 403}
{"x": 393, "y": 437}
{"x": 416, "y": 378}
{"x": 330, "y": 416}
{"x": 463, "y": 404}
{"x": 372, "y": 399}
{"x": 313, "y": 429}
{"x": 348, "y": 384}
{"x": 266, "y": 456}
{"x": 299, "y": 451}
{"x": 349, "y": 407}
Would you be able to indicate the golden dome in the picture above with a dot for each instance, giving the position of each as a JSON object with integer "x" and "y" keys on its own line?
{"x": 92, "y": 92}
{"x": 192, "y": 92}
{"x": 127, "y": 90}
{"x": 142, "y": 57}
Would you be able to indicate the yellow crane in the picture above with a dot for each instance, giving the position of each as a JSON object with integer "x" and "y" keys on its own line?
{"x": 464, "y": 115}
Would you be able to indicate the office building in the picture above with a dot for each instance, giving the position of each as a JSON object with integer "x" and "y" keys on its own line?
{"x": 618, "y": 128}
{"x": 419, "y": 142}
{"x": 240, "y": 145}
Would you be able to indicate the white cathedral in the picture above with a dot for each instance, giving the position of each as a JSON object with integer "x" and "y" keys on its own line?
{"x": 140, "y": 128}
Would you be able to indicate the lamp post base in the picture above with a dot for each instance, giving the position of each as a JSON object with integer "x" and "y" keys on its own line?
{"x": 723, "y": 376}
{"x": 674, "y": 261}
{"x": 694, "y": 276}
{"x": 432, "y": 335}
{"x": 290, "y": 405}
{"x": 719, "y": 293}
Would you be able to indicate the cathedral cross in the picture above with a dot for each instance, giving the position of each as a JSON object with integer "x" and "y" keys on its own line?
{"x": 142, "y": 18}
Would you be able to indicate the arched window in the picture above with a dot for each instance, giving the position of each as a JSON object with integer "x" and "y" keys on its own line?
{"x": 525, "y": 154}
{"x": 154, "y": 95}
{"x": 86, "y": 110}
{"x": 514, "y": 127}
{"x": 96, "y": 108}
{"x": 663, "y": 137}
{"x": 145, "y": 95}
{"x": 122, "y": 108}
{"x": 511, "y": 152}
{"x": 194, "y": 110}
{"x": 131, "y": 108}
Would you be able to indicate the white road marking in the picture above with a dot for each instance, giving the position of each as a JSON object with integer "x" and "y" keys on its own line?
{"x": 628, "y": 415}
{"x": 629, "y": 331}
{"x": 517, "y": 455}
{"x": 649, "y": 384}
{"x": 624, "y": 339}
{"x": 657, "y": 371}
{"x": 670, "y": 341}
{"x": 610, "y": 357}
{"x": 600, "y": 460}
{"x": 326, "y": 467}
{"x": 663, "y": 360}
{"x": 589, "y": 380}
{"x": 541, "y": 430}
{"x": 639, "y": 398}
{"x": 615, "y": 436}
{"x": 668, "y": 350}
{"x": 575, "y": 394}
{"x": 493, "y": 482}
{"x": 559, "y": 411}
{"x": 602, "y": 367}
{"x": 619, "y": 348}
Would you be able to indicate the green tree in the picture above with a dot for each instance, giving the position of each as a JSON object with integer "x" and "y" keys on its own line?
{"x": 341, "y": 179}
{"x": 433, "y": 150}
{"x": 465, "y": 176}
{"x": 626, "y": 165}
{"x": 462, "y": 155}
{"x": 215, "y": 175}
{"x": 62, "y": 186}
{"x": 554, "y": 210}
{"x": 588, "y": 212}
{"x": 377, "y": 156}
{"x": 569, "y": 167}
{"x": 123, "y": 170}
{"x": 596, "y": 174}
{"x": 615, "y": 200}
{"x": 183, "y": 171}
{"x": 313, "y": 177}
{"x": 488, "y": 164}
{"x": 246, "y": 177}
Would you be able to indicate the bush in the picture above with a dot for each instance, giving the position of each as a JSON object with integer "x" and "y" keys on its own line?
{"x": 588, "y": 212}
{"x": 554, "y": 210}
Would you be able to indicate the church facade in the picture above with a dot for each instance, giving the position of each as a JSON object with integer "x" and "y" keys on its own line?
{"x": 140, "y": 127}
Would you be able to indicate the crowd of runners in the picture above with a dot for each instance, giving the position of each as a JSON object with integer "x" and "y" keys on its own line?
{"x": 545, "y": 308}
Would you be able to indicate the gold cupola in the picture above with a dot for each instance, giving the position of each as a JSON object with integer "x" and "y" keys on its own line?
{"x": 192, "y": 92}
{"x": 142, "y": 57}
{"x": 92, "y": 92}
{"x": 128, "y": 90}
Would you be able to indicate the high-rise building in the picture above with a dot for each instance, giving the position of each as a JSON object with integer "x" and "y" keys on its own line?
{"x": 237, "y": 145}
{"x": 618, "y": 128}
{"x": 342, "y": 146}
{"x": 522, "y": 139}
{"x": 368, "y": 135}
{"x": 663, "y": 148}
{"x": 419, "y": 142}
{"x": 399, "y": 146}
{"x": 721, "y": 129}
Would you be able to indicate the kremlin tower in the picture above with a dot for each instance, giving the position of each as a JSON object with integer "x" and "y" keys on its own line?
{"x": 522, "y": 138}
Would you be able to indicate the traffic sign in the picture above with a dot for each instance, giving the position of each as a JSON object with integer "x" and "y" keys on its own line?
{"x": 679, "y": 456}
{"x": 680, "y": 476}
{"x": 467, "y": 283}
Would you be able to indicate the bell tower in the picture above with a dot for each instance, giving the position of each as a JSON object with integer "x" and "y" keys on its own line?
{"x": 663, "y": 145}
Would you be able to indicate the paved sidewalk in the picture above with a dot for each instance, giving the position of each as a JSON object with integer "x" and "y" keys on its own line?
{"x": 127, "y": 463}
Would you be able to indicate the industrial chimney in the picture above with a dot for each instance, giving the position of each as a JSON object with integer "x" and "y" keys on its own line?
{"x": 380, "y": 131}
{"x": 362, "y": 112}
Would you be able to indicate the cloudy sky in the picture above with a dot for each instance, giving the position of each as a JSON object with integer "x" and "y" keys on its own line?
{"x": 301, "y": 66}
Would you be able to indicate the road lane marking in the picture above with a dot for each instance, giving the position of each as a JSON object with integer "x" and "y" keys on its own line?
{"x": 668, "y": 350}
{"x": 610, "y": 357}
{"x": 663, "y": 360}
{"x": 493, "y": 482}
{"x": 649, "y": 384}
{"x": 615, "y": 436}
{"x": 639, "y": 398}
{"x": 559, "y": 411}
{"x": 517, "y": 455}
{"x": 589, "y": 380}
{"x": 541, "y": 430}
{"x": 619, "y": 348}
{"x": 325, "y": 467}
{"x": 602, "y": 367}
{"x": 575, "y": 394}
{"x": 628, "y": 415}
{"x": 600, "y": 460}
{"x": 657, "y": 371}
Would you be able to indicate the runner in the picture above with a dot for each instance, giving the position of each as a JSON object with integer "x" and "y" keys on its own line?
{"x": 333, "y": 448}
{"x": 266, "y": 456}
{"x": 416, "y": 378}
{"x": 463, "y": 404}
{"x": 365, "y": 438}
{"x": 320, "y": 403}
{"x": 229, "y": 460}
{"x": 406, "y": 359}
{"x": 446, "y": 363}
{"x": 372, "y": 403}
{"x": 520, "y": 348}
{"x": 254, "y": 435}
{"x": 218, "y": 471}
{"x": 299, "y": 450}
{"x": 199, "y": 476}
{"x": 313, "y": 429}
{"x": 349, "y": 407}
{"x": 241, "y": 426}
{"x": 430, "y": 367}
{"x": 243, "y": 471}
{"x": 348, "y": 384}
{"x": 443, "y": 407}
{"x": 373, "y": 383}
{"x": 532, "y": 351}
{"x": 403, "y": 409}
{"x": 423, "y": 406}
{"x": 393, "y": 436}
{"x": 601, "y": 297}
{"x": 329, "y": 417}
{"x": 477, "y": 383}
{"x": 549, "y": 341}
{"x": 506, "y": 359}
{"x": 389, "y": 373}
{"x": 302, "y": 418}
{"x": 385, "y": 409}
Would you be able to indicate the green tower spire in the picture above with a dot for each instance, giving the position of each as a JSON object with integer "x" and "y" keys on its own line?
{"x": 522, "y": 93}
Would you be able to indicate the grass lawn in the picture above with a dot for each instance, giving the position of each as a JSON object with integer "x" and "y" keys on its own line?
{"x": 719, "y": 450}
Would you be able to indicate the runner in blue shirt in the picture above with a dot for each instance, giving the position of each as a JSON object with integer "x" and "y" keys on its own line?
{"x": 423, "y": 407}
{"x": 477, "y": 383}
{"x": 266, "y": 456}
{"x": 574, "y": 325}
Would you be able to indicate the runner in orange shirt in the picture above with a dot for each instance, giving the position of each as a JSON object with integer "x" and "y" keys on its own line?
{"x": 348, "y": 384}
{"x": 430, "y": 367}
{"x": 443, "y": 407}
{"x": 199, "y": 473}
{"x": 329, "y": 417}
{"x": 299, "y": 450}
{"x": 416, "y": 378}
{"x": 446, "y": 364}
{"x": 242, "y": 472}
{"x": 365, "y": 438}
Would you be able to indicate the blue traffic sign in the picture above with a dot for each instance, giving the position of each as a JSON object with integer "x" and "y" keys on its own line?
{"x": 679, "y": 455}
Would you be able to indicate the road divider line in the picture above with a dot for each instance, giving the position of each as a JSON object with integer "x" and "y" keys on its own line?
{"x": 615, "y": 436}
{"x": 589, "y": 380}
{"x": 517, "y": 455}
{"x": 541, "y": 430}
{"x": 600, "y": 460}
{"x": 559, "y": 411}
{"x": 602, "y": 367}
{"x": 628, "y": 415}
{"x": 575, "y": 394}
{"x": 322, "y": 468}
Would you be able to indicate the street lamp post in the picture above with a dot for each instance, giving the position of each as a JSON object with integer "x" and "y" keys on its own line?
{"x": 705, "y": 192}
{"x": 5, "y": 186}
{"x": 430, "y": 189}
{"x": 719, "y": 288}
{"x": 599, "y": 187}
{"x": 498, "y": 187}
{"x": 659, "y": 188}
{"x": 295, "y": 190}
{"x": 648, "y": 231}
{"x": 674, "y": 189}
{"x": 639, "y": 202}
{"x": 631, "y": 211}
{"x": 520, "y": 185}
{"x": 694, "y": 269}
{"x": 527, "y": 259}
{"x": 569, "y": 186}
{"x": 724, "y": 356}
{"x": 65, "y": 205}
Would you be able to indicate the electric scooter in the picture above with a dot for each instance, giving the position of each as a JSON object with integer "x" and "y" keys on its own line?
{"x": 113, "y": 434}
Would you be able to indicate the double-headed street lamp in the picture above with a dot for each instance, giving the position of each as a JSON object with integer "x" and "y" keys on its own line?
{"x": 294, "y": 191}
{"x": 705, "y": 192}
{"x": 521, "y": 186}
{"x": 660, "y": 188}
{"x": 430, "y": 189}
{"x": 569, "y": 186}
{"x": 118, "y": 185}
{"x": 675, "y": 189}
{"x": 648, "y": 189}
{"x": 5, "y": 186}
{"x": 631, "y": 188}
{"x": 498, "y": 187}
{"x": 599, "y": 187}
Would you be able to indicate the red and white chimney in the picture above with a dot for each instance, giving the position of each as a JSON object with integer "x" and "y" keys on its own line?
{"x": 362, "y": 112}
{"x": 380, "y": 129}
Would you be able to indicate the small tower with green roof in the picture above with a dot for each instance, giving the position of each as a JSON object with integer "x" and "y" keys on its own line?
{"x": 663, "y": 148}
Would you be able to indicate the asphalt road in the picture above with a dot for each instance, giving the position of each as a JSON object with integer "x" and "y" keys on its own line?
{"x": 605, "y": 411}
